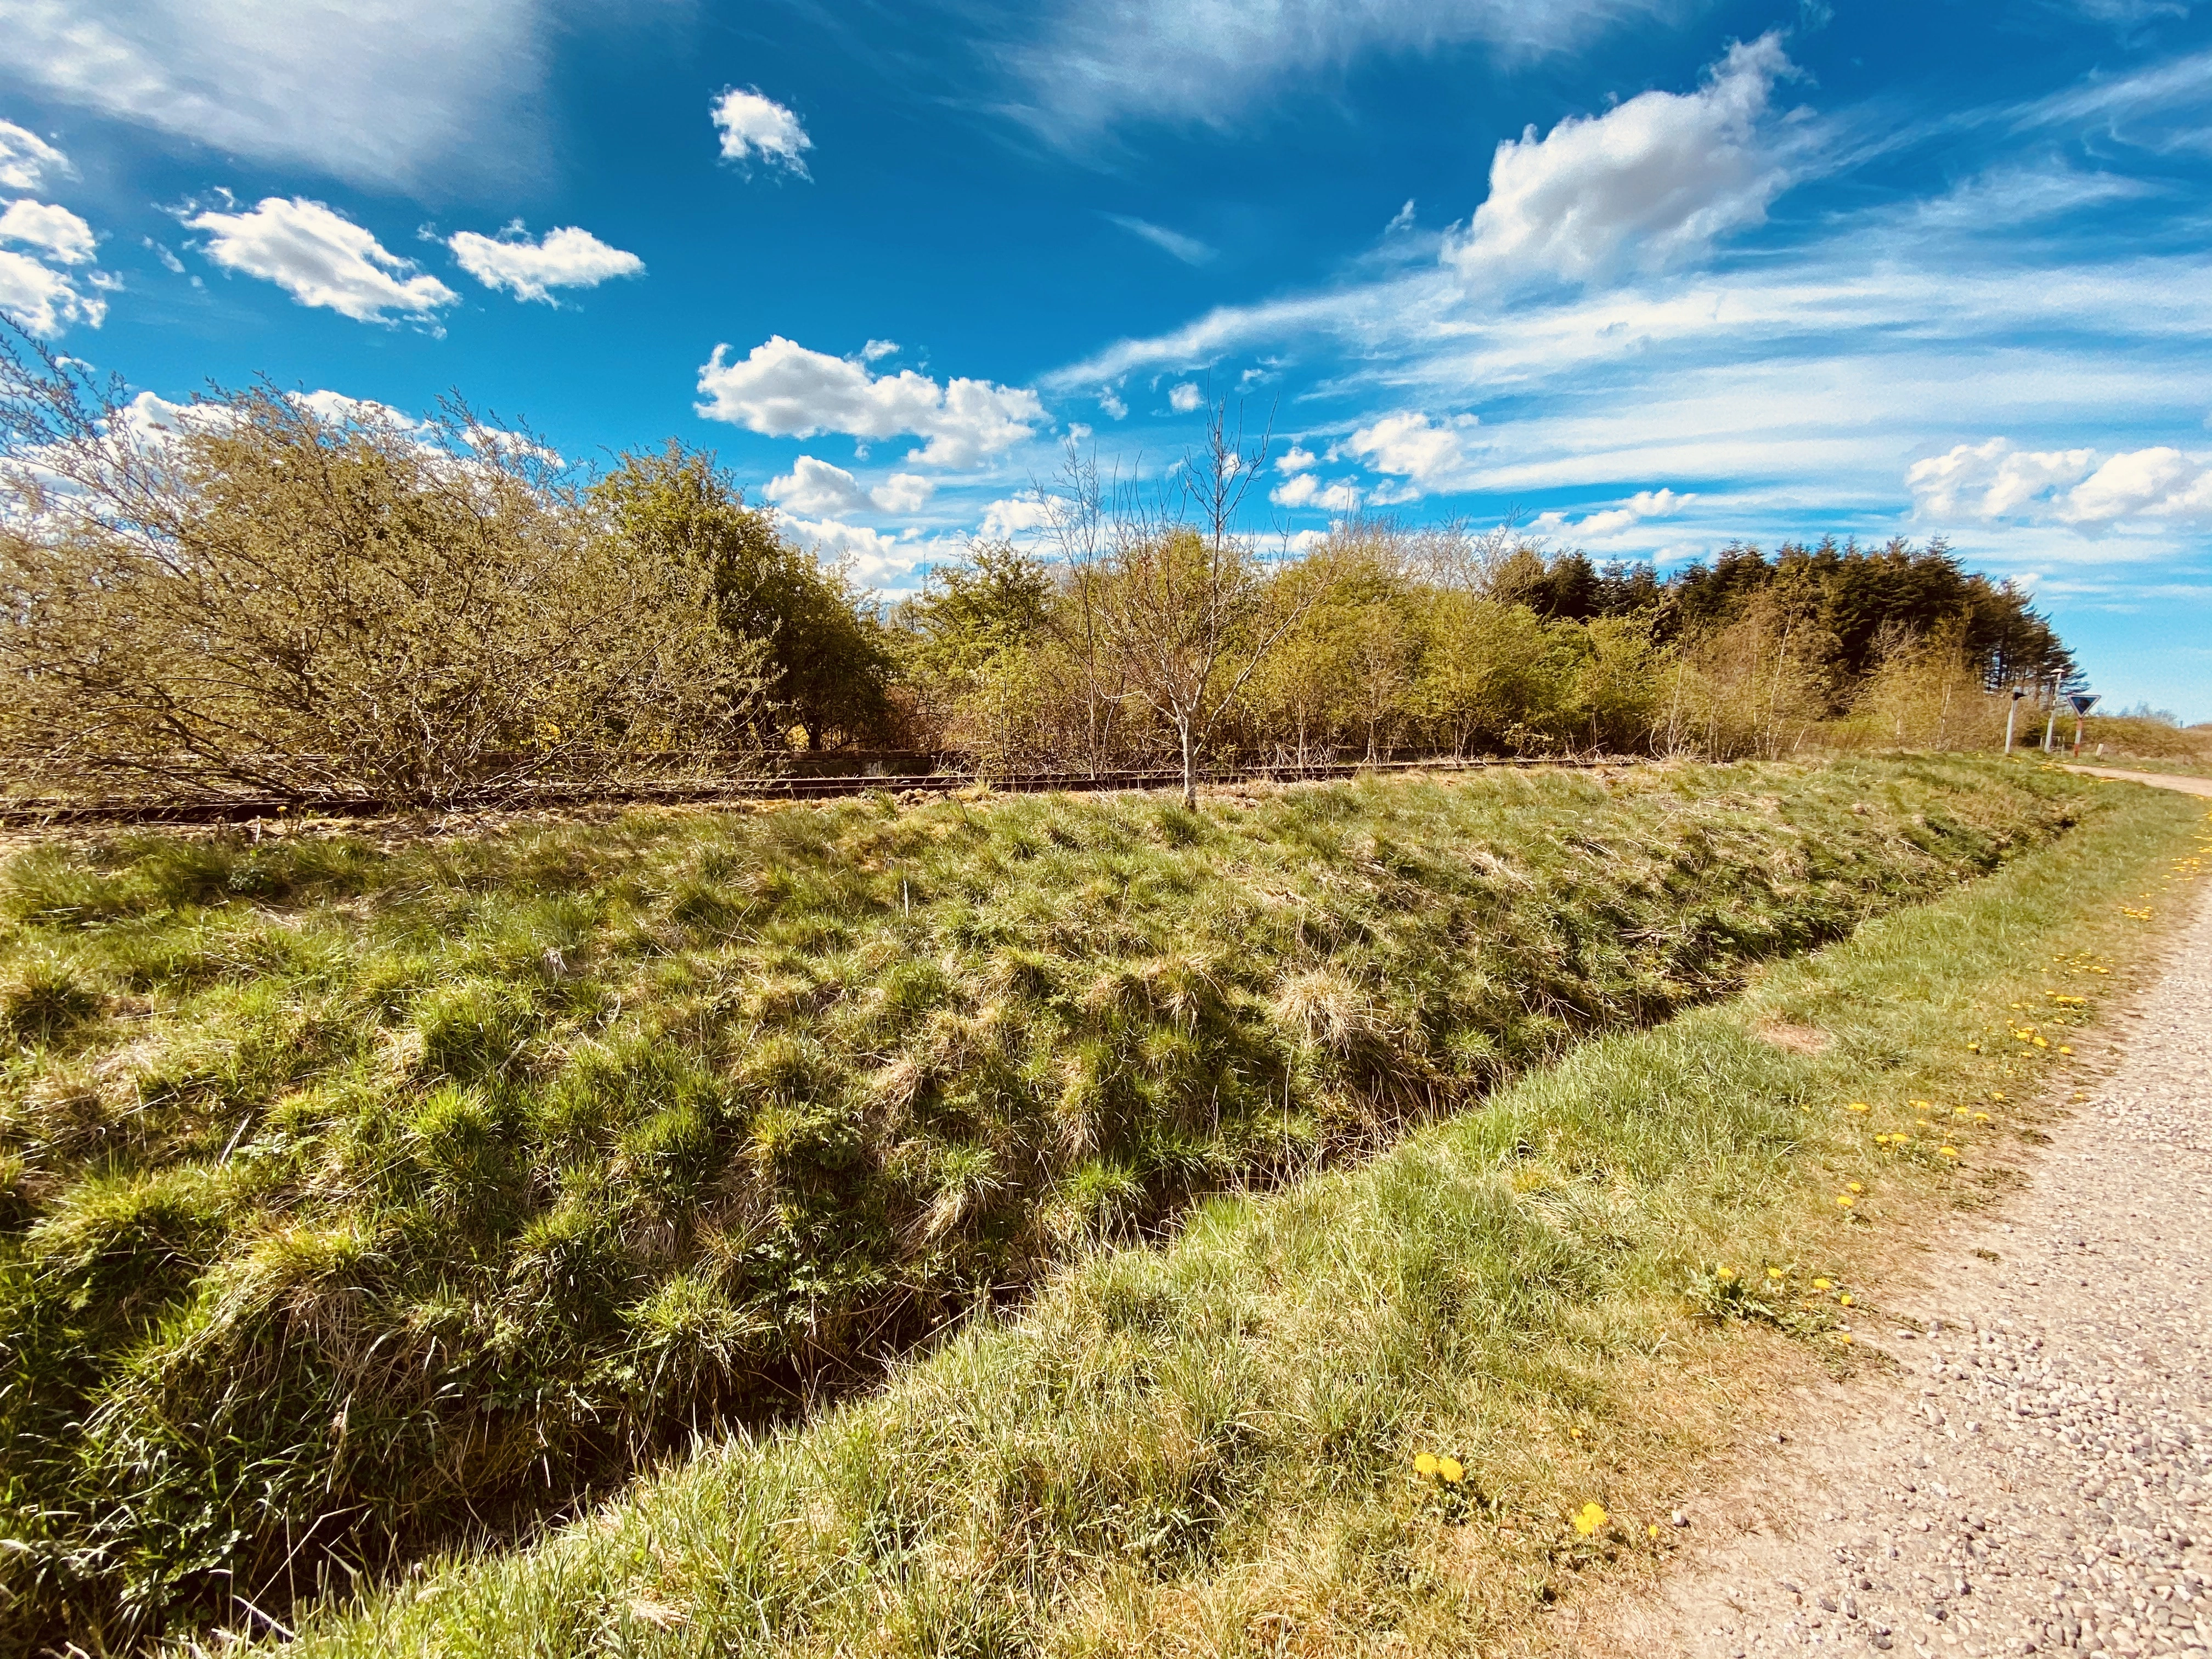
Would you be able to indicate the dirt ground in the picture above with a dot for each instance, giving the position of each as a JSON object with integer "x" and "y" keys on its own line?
{"x": 2035, "y": 1473}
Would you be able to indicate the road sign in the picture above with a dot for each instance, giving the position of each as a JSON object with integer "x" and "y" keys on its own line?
{"x": 2083, "y": 701}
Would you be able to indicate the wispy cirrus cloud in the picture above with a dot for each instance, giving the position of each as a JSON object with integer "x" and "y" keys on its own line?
{"x": 1174, "y": 243}
{"x": 378, "y": 93}
{"x": 1083, "y": 68}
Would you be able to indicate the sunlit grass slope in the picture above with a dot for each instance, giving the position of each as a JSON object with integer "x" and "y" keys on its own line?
{"x": 1215, "y": 1446}
{"x": 348, "y": 1197}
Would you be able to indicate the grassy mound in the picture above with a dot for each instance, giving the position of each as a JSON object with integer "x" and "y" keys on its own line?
{"x": 351, "y": 1196}
{"x": 1403, "y": 1409}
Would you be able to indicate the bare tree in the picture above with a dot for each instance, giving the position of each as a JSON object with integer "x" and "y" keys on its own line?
{"x": 256, "y": 595}
{"x": 1177, "y": 594}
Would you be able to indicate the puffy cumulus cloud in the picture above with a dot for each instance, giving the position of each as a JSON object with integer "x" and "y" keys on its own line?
{"x": 28, "y": 162}
{"x": 1425, "y": 454}
{"x": 1304, "y": 489}
{"x": 376, "y": 92}
{"x": 1296, "y": 459}
{"x": 817, "y": 489}
{"x": 566, "y": 257}
{"x": 1185, "y": 398}
{"x": 876, "y": 350}
{"x": 753, "y": 126}
{"x": 878, "y": 561}
{"x": 45, "y": 301}
{"x": 1017, "y": 518}
{"x": 320, "y": 258}
{"x": 56, "y": 232}
{"x": 1110, "y": 402}
{"x": 1650, "y": 181}
{"x": 1614, "y": 520}
{"x": 782, "y": 390}
{"x": 1991, "y": 480}
{"x": 2091, "y": 493}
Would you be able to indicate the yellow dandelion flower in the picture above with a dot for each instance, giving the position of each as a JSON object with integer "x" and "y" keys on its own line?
{"x": 1426, "y": 1463}
{"x": 1857, "y": 1187}
{"x": 1845, "y": 1300}
{"x": 1774, "y": 1272}
{"x": 1451, "y": 1469}
{"x": 1724, "y": 1272}
{"x": 1981, "y": 1117}
{"x": 1844, "y": 1337}
{"x": 1946, "y": 1151}
{"x": 1592, "y": 1517}
{"x": 1822, "y": 1284}
{"x": 1845, "y": 1200}
{"x": 1973, "y": 1048}
{"x": 1858, "y": 1106}
{"x": 2042, "y": 1042}
{"x": 1651, "y": 1531}
{"x": 2064, "y": 1049}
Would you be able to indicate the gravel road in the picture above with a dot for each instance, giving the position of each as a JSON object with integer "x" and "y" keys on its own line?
{"x": 2039, "y": 1477}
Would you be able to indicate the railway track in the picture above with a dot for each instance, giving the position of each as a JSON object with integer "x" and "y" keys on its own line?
{"x": 245, "y": 809}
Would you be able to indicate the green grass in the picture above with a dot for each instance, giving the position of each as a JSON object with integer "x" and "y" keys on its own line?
{"x": 353, "y": 1198}
{"x": 1207, "y": 1447}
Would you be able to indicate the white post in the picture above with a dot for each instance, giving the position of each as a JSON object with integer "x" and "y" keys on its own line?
{"x": 2011, "y": 714}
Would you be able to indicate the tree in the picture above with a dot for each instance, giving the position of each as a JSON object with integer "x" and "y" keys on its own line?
{"x": 1178, "y": 604}
{"x": 259, "y": 596}
{"x": 827, "y": 664}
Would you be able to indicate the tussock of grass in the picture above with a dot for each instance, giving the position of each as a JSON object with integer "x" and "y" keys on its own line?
{"x": 1209, "y": 1446}
{"x": 351, "y": 1197}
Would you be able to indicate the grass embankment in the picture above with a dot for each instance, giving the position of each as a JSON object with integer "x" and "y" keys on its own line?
{"x": 1210, "y": 1446}
{"x": 349, "y": 1196}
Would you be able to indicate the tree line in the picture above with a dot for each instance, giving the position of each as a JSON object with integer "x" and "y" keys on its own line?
{"x": 263, "y": 594}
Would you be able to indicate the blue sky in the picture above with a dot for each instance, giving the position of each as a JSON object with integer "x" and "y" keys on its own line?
{"x": 1652, "y": 274}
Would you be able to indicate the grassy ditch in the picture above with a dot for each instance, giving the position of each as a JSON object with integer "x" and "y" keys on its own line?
{"x": 1216, "y": 1446}
{"x": 349, "y": 1196}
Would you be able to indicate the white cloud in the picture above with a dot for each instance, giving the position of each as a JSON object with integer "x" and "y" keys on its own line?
{"x": 45, "y": 301}
{"x": 1304, "y": 489}
{"x": 872, "y": 555}
{"x": 1991, "y": 480}
{"x": 339, "y": 410}
{"x": 1615, "y": 521}
{"x": 817, "y": 489}
{"x": 1650, "y": 181}
{"x": 375, "y": 92}
{"x": 1408, "y": 445}
{"x": 1296, "y": 459}
{"x": 876, "y": 350}
{"x": 2079, "y": 487}
{"x": 320, "y": 258}
{"x": 1111, "y": 403}
{"x": 28, "y": 162}
{"x": 782, "y": 390}
{"x": 1184, "y": 399}
{"x": 63, "y": 238}
{"x": 566, "y": 257}
{"x": 753, "y": 125}
{"x": 1097, "y": 62}
{"x": 1015, "y": 518}
{"x": 2005, "y": 196}
{"x": 1174, "y": 243}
